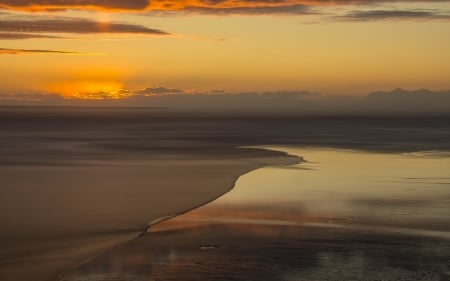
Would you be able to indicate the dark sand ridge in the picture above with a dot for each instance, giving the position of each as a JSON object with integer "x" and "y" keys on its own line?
{"x": 55, "y": 217}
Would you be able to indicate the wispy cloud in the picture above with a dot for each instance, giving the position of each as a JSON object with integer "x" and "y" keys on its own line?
{"x": 74, "y": 25}
{"x": 6, "y": 51}
{"x": 294, "y": 9}
{"x": 15, "y": 36}
{"x": 379, "y": 15}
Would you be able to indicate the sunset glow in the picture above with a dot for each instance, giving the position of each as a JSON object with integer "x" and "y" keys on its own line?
{"x": 90, "y": 90}
{"x": 333, "y": 48}
{"x": 120, "y": 119}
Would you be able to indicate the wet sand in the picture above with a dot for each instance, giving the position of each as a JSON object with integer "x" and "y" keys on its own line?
{"x": 54, "y": 218}
{"x": 342, "y": 215}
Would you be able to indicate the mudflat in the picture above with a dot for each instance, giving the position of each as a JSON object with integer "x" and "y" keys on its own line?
{"x": 75, "y": 182}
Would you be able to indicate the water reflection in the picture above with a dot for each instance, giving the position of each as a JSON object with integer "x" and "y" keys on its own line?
{"x": 341, "y": 215}
{"x": 344, "y": 186}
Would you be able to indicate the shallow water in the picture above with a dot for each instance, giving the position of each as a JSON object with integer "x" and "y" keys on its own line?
{"x": 340, "y": 215}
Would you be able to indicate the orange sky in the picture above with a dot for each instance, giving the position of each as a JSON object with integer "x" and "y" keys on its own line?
{"x": 108, "y": 49}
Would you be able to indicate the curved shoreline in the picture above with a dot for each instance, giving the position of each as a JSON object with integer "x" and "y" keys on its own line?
{"x": 283, "y": 159}
{"x": 262, "y": 165}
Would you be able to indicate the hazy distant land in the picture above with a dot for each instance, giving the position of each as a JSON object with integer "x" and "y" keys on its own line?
{"x": 396, "y": 102}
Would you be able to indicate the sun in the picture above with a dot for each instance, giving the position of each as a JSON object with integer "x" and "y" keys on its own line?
{"x": 91, "y": 89}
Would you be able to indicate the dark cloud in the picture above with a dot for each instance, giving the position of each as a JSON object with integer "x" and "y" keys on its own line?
{"x": 15, "y": 36}
{"x": 5, "y": 51}
{"x": 376, "y": 15}
{"x": 296, "y": 9}
{"x": 34, "y": 5}
{"x": 264, "y": 7}
{"x": 80, "y": 26}
{"x": 158, "y": 91}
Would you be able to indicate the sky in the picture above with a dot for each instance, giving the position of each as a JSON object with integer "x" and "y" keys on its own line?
{"x": 120, "y": 49}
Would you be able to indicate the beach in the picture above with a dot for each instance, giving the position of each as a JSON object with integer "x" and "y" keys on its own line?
{"x": 77, "y": 183}
{"x": 51, "y": 224}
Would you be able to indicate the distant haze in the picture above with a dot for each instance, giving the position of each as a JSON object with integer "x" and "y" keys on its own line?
{"x": 395, "y": 102}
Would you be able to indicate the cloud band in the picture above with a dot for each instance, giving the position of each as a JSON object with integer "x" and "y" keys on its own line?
{"x": 80, "y": 26}
{"x": 6, "y": 51}
{"x": 212, "y": 6}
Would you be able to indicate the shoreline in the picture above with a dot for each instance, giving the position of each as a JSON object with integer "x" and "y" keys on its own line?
{"x": 268, "y": 230}
{"x": 286, "y": 156}
{"x": 281, "y": 160}
{"x": 78, "y": 213}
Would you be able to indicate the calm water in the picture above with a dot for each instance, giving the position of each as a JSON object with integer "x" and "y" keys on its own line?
{"x": 340, "y": 215}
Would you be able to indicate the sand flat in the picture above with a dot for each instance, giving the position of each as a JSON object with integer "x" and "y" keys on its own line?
{"x": 53, "y": 218}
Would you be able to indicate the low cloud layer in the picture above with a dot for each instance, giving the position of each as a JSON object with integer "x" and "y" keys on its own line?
{"x": 395, "y": 102}
{"x": 5, "y": 51}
